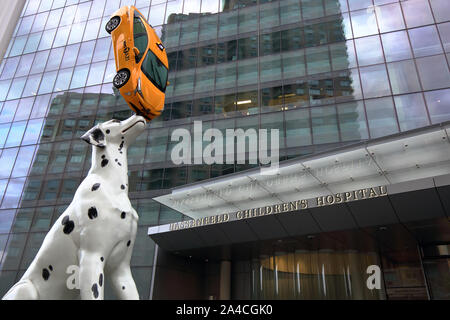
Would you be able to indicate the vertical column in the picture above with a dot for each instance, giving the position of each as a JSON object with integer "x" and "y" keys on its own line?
{"x": 9, "y": 18}
{"x": 225, "y": 280}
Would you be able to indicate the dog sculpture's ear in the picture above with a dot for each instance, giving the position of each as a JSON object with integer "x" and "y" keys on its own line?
{"x": 95, "y": 136}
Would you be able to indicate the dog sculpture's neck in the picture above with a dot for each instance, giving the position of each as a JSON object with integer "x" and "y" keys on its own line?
{"x": 111, "y": 161}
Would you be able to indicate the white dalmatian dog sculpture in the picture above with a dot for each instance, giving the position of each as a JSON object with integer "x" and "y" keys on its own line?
{"x": 96, "y": 232}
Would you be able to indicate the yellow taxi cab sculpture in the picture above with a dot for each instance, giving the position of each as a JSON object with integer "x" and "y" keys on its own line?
{"x": 141, "y": 62}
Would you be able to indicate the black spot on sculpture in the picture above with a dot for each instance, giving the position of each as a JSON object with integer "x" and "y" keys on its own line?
{"x": 100, "y": 279}
{"x": 92, "y": 213}
{"x": 68, "y": 224}
{"x": 50, "y": 267}
{"x": 95, "y": 290}
{"x": 104, "y": 162}
{"x": 45, "y": 274}
{"x": 123, "y": 215}
{"x": 122, "y": 187}
{"x": 95, "y": 186}
{"x": 121, "y": 145}
{"x": 98, "y": 135}
{"x": 128, "y": 243}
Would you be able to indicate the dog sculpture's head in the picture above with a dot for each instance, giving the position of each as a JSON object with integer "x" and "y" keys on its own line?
{"x": 115, "y": 131}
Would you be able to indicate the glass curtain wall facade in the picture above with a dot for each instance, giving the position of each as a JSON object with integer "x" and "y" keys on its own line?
{"x": 323, "y": 72}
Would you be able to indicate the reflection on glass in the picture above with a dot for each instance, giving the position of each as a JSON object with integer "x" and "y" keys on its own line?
{"x": 269, "y": 14}
{"x": 290, "y": 11}
{"x": 16, "y": 89}
{"x": 226, "y": 76}
{"x": 79, "y": 77}
{"x": 70, "y": 56}
{"x": 86, "y": 51}
{"x": 189, "y": 31}
{"x": 13, "y": 192}
{"x": 18, "y": 46}
{"x": 433, "y": 72}
{"x": 381, "y": 117}
{"x": 270, "y": 68}
{"x": 396, "y": 46}
{"x": 324, "y": 125}
{"x": 24, "y": 159}
{"x": 298, "y": 132}
{"x": 271, "y": 99}
{"x": 273, "y": 121}
{"x": 208, "y": 27}
{"x": 417, "y": 13}
{"x": 425, "y": 41}
{"x": 374, "y": 81}
{"x": 184, "y": 83}
{"x": 63, "y": 80}
{"x": 411, "y": 111}
{"x": 359, "y": 4}
{"x": 33, "y": 244}
{"x": 369, "y": 50}
{"x": 32, "y": 85}
{"x": 39, "y": 62}
{"x": 444, "y": 32}
{"x": 312, "y": 9}
{"x": 318, "y": 60}
{"x": 438, "y": 102}
{"x": 26, "y": 61}
{"x": 61, "y": 37}
{"x": 33, "y": 42}
{"x": 13, "y": 252}
{"x": 53, "y": 19}
{"x": 156, "y": 16}
{"x": 403, "y": 77}
{"x": 39, "y": 22}
{"x": 364, "y": 23}
{"x": 390, "y": 17}
{"x": 96, "y": 73}
{"x": 7, "y": 160}
{"x": 8, "y": 111}
{"x": 91, "y": 31}
{"x": 293, "y": 64}
{"x": 228, "y": 22}
{"x": 247, "y": 72}
{"x": 248, "y": 19}
{"x": 10, "y": 68}
{"x": 352, "y": 121}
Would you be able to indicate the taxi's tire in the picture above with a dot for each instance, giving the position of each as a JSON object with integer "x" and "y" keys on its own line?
{"x": 112, "y": 24}
{"x": 121, "y": 78}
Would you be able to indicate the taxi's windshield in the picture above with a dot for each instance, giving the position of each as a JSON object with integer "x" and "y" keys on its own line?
{"x": 155, "y": 71}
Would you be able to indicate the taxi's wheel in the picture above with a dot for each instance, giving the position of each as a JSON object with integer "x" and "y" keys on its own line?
{"x": 121, "y": 78}
{"x": 112, "y": 24}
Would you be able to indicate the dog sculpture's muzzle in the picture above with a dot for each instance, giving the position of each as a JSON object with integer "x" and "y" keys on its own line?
{"x": 133, "y": 127}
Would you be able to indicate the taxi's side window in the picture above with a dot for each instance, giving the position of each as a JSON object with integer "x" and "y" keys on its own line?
{"x": 140, "y": 37}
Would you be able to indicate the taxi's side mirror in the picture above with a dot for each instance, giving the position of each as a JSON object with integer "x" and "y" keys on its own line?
{"x": 136, "y": 52}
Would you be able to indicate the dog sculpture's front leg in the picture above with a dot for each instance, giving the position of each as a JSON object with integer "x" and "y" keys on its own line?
{"x": 91, "y": 275}
{"x": 123, "y": 283}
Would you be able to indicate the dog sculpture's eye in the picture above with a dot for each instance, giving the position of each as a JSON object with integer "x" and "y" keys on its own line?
{"x": 115, "y": 120}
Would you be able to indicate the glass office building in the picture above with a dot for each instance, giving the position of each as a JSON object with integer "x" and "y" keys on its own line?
{"x": 328, "y": 74}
